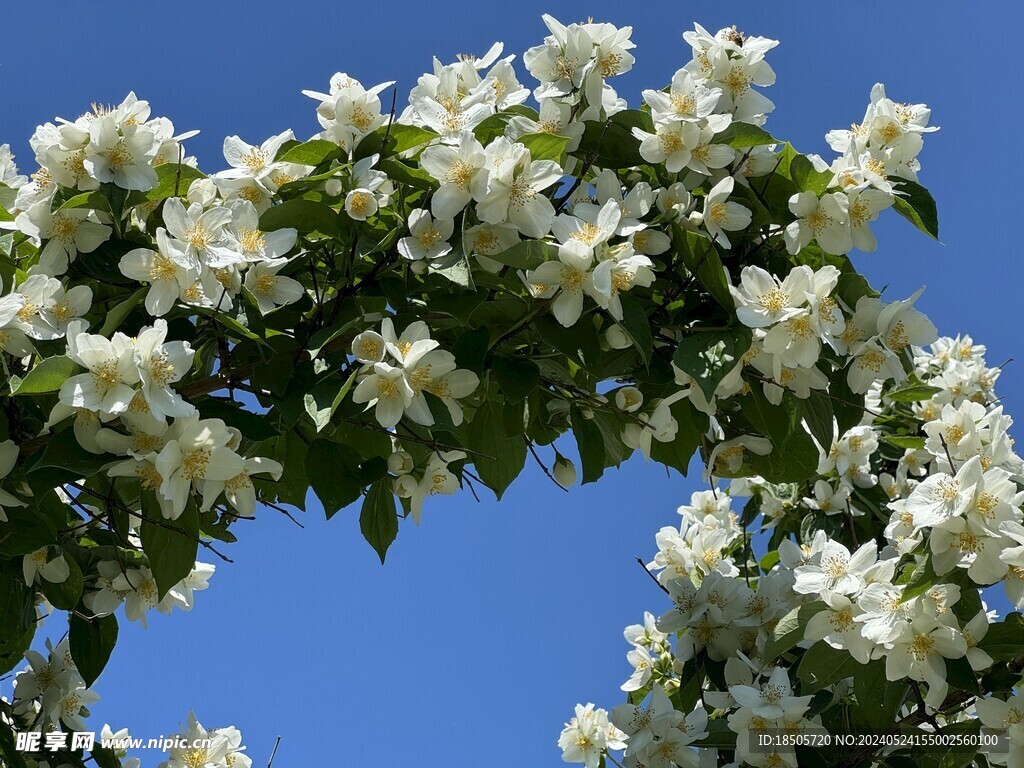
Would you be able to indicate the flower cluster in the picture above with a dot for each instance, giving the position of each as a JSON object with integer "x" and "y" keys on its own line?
{"x": 399, "y": 307}
{"x": 937, "y": 455}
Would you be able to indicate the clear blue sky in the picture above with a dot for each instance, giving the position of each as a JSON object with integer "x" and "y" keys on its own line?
{"x": 489, "y": 622}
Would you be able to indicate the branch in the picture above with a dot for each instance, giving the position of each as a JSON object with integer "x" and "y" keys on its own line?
{"x": 661, "y": 586}
{"x": 533, "y": 451}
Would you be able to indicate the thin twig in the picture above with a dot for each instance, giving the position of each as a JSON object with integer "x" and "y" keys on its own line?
{"x": 661, "y": 586}
{"x": 270, "y": 762}
{"x": 551, "y": 477}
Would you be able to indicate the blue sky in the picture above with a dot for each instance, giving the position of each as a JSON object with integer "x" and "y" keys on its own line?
{"x": 490, "y": 621}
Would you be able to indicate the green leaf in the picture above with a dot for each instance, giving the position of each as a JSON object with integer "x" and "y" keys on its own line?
{"x": 913, "y": 393}
{"x": 94, "y": 200}
{"x": 528, "y": 254}
{"x": 18, "y": 619}
{"x": 720, "y": 736}
{"x": 816, "y": 410}
{"x": 637, "y": 326}
{"x": 64, "y": 457}
{"x": 904, "y": 441}
{"x": 406, "y": 137}
{"x": 113, "y": 319}
{"x": 612, "y": 144}
{"x": 517, "y": 376}
{"x": 255, "y": 426}
{"x": 915, "y": 204}
{"x": 794, "y": 457}
{"x": 455, "y": 267}
{"x": 498, "y": 455}
{"x": 91, "y": 642}
{"x": 922, "y": 579}
{"x": 955, "y": 755}
{"x": 744, "y": 135}
{"x": 545, "y": 146}
{"x": 1005, "y": 640}
{"x": 47, "y": 376}
{"x": 878, "y": 699}
{"x": 312, "y": 152}
{"x": 789, "y": 631}
{"x": 701, "y": 257}
{"x": 170, "y": 545}
{"x": 173, "y": 180}
{"x": 823, "y": 665}
{"x": 304, "y": 215}
{"x": 708, "y": 356}
{"x": 378, "y": 519}
{"x": 799, "y": 169}
{"x": 590, "y": 443}
{"x": 333, "y": 471}
{"x": 769, "y": 560}
{"x": 960, "y": 675}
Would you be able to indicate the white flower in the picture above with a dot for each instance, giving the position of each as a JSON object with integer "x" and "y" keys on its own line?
{"x": 200, "y": 234}
{"x": 514, "y": 189}
{"x": 773, "y": 700}
{"x": 47, "y": 563}
{"x": 122, "y": 154}
{"x": 196, "y": 451}
{"x": 837, "y": 570}
{"x": 168, "y": 270}
{"x": 919, "y": 652}
{"x": 161, "y": 363}
{"x": 721, "y": 215}
{"x": 270, "y": 289}
{"x": 462, "y": 172}
{"x": 107, "y": 387}
{"x": 863, "y": 207}
{"x": 687, "y": 99}
{"x": 670, "y": 145}
{"x": 386, "y": 389}
{"x": 66, "y": 232}
{"x": 825, "y": 220}
{"x": 251, "y": 161}
{"x": 239, "y": 490}
{"x": 68, "y": 708}
{"x": 561, "y": 62}
{"x": 570, "y": 277}
{"x": 941, "y": 497}
{"x": 763, "y": 300}
{"x": 428, "y": 237}
{"x": 837, "y": 626}
{"x": 252, "y": 243}
{"x": 585, "y": 738}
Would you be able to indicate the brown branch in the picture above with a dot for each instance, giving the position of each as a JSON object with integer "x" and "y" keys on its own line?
{"x": 543, "y": 466}
{"x": 647, "y": 570}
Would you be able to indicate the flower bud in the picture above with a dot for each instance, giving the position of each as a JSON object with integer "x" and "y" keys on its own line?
{"x": 333, "y": 187}
{"x": 629, "y": 399}
{"x": 418, "y": 267}
{"x": 564, "y": 471}
{"x": 617, "y": 338}
{"x": 405, "y": 486}
{"x": 400, "y": 463}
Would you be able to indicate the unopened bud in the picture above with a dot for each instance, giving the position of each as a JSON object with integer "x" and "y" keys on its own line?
{"x": 564, "y": 471}
{"x": 418, "y": 267}
{"x": 400, "y": 463}
{"x": 617, "y": 338}
{"x": 405, "y": 486}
